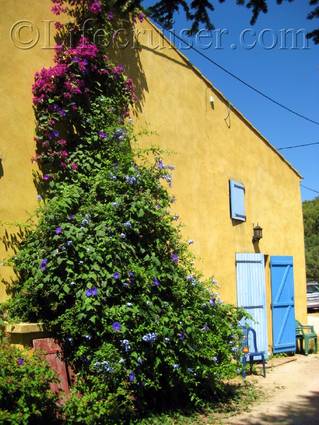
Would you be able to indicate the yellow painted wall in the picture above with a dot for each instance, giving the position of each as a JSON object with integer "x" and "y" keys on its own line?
{"x": 208, "y": 147}
{"x": 18, "y": 63}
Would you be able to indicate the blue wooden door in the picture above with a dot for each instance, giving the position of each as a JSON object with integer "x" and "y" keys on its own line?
{"x": 283, "y": 306}
{"x": 251, "y": 294}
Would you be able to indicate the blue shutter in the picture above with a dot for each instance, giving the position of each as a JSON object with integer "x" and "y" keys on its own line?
{"x": 251, "y": 294}
{"x": 237, "y": 200}
{"x": 283, "y": 308}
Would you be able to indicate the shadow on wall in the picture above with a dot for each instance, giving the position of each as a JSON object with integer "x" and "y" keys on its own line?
{"x": 304, "y": 411}
{"x": 125, "y": 49}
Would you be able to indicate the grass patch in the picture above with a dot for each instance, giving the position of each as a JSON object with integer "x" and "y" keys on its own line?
{"x": 235, "y": 399}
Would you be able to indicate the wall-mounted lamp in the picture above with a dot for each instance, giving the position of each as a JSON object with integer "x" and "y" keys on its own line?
{"x": 258, "y": 233}
{"x": 212, "y": 101}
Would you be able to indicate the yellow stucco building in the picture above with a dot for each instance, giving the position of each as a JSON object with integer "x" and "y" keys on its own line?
{"x": 228, "y": 177}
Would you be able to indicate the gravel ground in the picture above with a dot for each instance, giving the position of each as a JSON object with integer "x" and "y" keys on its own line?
{"x": 291, "y": 393}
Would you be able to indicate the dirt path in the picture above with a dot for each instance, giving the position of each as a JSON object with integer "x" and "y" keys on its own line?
{"x": 292, "y": 392}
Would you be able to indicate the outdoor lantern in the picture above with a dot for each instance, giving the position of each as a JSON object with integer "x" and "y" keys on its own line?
{"x": 258, "y": 233}
{"x": 245, "y": 349}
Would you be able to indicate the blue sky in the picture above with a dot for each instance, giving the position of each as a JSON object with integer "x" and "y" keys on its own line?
{"x": 289, "y": 75}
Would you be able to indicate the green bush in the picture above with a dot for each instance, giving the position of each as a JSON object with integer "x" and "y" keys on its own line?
{"x": 105, "y": 267}
{"x": 25, "y": 395}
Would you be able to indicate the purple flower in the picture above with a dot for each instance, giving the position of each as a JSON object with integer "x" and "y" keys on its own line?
{"x": 181, "y": 336}
{"x": 131, "y": 180}
{"x": 212, "y": 301}
{"x": 62, "y": 113}
{"x": 126, "y": 345}
{"x": 91, "y": 292}
{"x": 102, "y": 135}
{"x": 43, "y": 264}
{"x": 131, "y": 277}
{"x": 150, "y": 337}
{"x": 205, "y": 328}
{"x": 54, "y": 134}
{"x": 168, "y": 178}
{"x": 20, "y": 361}
{"x": 39, "y": 198}
{"x": 160, "y": 164}
{"x": 156, "y": 282}
{"x": 58, "y": 230}
{"x": 174, "y": 258}
{"x": 46, "y": 177}
{"x": 116, "y": 326}
{"x": 116, "y": 275}
{"x": 120, "y": 133}
{"x": 190, "y": 242}
{"x": 110, "y": 16}
{"x": 131, "y": 377}
{"x": 127, "y": 225}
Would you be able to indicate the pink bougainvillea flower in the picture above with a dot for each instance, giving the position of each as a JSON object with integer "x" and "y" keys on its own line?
{"x": 62, "y": 142}
{"x": 74, "y": 166}
{"x": 141, "y": 16}
{"x": 96, "y": 7}
{"x": 118, "y": 69}
{"x": 57, "y": 9}
{"x": 64, "y": 154}
{"x": 58, "y": 26}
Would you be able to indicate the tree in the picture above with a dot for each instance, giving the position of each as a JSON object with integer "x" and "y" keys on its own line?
{"x": 197, "y": 11}
{"x": 311, "y": 223}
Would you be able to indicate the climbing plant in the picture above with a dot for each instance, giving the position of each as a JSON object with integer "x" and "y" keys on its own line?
{"x": 105, "y": 267}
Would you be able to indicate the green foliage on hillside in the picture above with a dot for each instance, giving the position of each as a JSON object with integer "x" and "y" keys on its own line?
{"x": 311, "y": 222}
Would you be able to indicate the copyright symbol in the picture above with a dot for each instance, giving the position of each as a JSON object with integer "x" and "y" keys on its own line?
{"x": 24, "y": 35}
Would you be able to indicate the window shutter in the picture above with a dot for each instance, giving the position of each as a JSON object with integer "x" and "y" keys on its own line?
{"x": 237, "y": 200}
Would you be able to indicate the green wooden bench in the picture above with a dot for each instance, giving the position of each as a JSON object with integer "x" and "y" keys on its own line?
{"x": 304, "y": 334}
